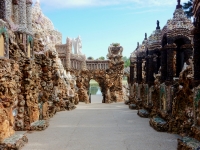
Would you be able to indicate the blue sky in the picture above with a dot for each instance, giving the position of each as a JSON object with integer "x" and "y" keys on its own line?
{"x": 102, "y": 22}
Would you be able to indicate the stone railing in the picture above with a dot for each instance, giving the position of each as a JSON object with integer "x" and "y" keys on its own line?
{"x": 97, "y": 64}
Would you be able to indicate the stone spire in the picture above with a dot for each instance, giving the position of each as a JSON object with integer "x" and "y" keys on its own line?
{"x": 29, "y": 2}
{"x": 158, "y": 25}
{"x": 37, "y": 3}
{"x": 138, "y": 45}
{"x": 179, "y": 4}
{"x": 145, "y": 36}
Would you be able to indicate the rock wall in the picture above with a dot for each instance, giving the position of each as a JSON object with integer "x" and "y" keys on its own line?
{"x": 34, "y": 83}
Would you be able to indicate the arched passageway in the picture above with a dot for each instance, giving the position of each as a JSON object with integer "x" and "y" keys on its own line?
{"x": 96, "y": 95}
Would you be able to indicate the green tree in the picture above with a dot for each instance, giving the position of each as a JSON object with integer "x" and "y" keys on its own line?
{"x": 188, "y": 8}
{"x": 126, "y": 62}
{"x": 90, "y": 58}
{"x": 101, "y": 58}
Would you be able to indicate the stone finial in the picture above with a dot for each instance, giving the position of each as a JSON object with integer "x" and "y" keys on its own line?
{"x": 179, "y": 4}
{"x": 138, "y": 45}
{"x": 29, "y": 2}
{"x": 158, "y": 25}
{"x": 15, "y": 2}
{"x": 145, "y": 36}
{"x": 37, "y": 2}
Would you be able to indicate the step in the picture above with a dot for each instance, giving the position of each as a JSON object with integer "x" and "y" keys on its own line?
{"x": 159, "y": 124}
{"x": 143, "y": 113}
{"x": 39, "y": 125}
{"x": 15, "y": 142}
{"x": 133, "y": 106}
{"x": 188, "y": 143}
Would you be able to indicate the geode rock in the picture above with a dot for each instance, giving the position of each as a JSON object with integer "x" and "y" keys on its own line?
{"x": 159, "y": 124}
{"x": 188, "y": 143}
{"x": 143, "y": 113}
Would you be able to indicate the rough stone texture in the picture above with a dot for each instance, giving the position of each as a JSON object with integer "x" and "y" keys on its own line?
{"x": 188, "y": 143}
{"x": 16, "y": 141}
{"x": 100, "y": 127}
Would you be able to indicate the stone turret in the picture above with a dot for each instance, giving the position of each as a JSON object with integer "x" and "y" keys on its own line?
{"x": 29, "y": 14}
{"x": 22, "y": 16}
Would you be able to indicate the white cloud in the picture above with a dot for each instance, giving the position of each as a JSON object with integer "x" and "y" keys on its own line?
{"x": 90, "y": 3}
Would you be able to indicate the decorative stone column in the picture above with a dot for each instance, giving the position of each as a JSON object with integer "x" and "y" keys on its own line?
{"x": 150, "y": 71}
{"x": 22, "y": 15}
{"x": 188, "y": 51}
{"x": 15, "y": 11}
{"x": 132, "y": 74}
{"x": 2, "y": 10}
{"x": 8, "y": 10}
{"x": 196, "y": 56}
{"x": 163, "y": 65}
{"x": 139, "y": 70}
{"x": 155, "y": 64}
{"x": 68, "y": 50}
{"x": 83, "y": 65}
{"x": 171, "y": 63}
{"x": 29, "y": 15}
{"x": 147, "y": 69}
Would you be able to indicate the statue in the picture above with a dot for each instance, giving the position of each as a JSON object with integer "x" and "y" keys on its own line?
{"x": 145, "y": 36}
{"x": 158, "y": 25}
{"x": 77, "y": 44}
{"x": 179, "y": 2}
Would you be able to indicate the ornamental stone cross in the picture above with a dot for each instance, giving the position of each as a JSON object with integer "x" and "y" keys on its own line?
{"x": 179, "y": 2}
{"x": 158, "y": 25}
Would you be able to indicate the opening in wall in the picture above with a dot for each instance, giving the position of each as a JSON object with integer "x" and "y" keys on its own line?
{"x": 29, "y": 50}
{"x": 2, "y": 47}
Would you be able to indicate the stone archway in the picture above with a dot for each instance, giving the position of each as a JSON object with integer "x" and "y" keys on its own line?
{"x": 95, "y": 94}
{"x": 109, "y": 76}
{"x": 83, "y": 83}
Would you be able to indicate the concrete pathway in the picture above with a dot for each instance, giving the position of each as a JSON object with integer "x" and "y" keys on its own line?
{"x": 100, "y": 127}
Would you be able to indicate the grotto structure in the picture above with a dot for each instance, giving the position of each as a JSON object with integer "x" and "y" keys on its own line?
{"x": 40, "y": 76}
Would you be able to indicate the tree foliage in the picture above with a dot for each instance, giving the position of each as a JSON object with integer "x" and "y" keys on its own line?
{"x": 101, "y": 58}
{"x": 90, "y": 58}
{"x": 126, "y": 62}
{"x": 188, "y": 8}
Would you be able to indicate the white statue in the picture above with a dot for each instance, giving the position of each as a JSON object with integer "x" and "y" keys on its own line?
{"x": 77, "y": 44}
{"x": 68, "y": 75}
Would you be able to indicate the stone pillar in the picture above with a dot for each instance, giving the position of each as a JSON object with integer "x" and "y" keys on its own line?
{"x": 132, "y": 74}
{"x": 135, "y": 71}
{"x": 8, "y": 10}
{"x": 155, "y": 64}
{"x": 22, "y": 15}
{"x": 139, "y": 70}
{"x": 15, "y": 12}
{"x": 171, "y": 63}
{"x": 150, "y": 71}
{"x": 188, "y": 51}
{"x": 68, "y": 50}
{"x": 163, "y": 65}
{"x": 196, "y": 56}
{"x": 2, "y": 10}
{"x": 29, "y": 15}
{"x": 147, "y": 69}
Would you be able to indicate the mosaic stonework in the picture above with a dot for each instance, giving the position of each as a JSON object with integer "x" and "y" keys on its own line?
{"x": 179, "y": 25}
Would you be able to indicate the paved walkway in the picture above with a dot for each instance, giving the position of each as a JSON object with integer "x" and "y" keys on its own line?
{"x": 100, "y": 127}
